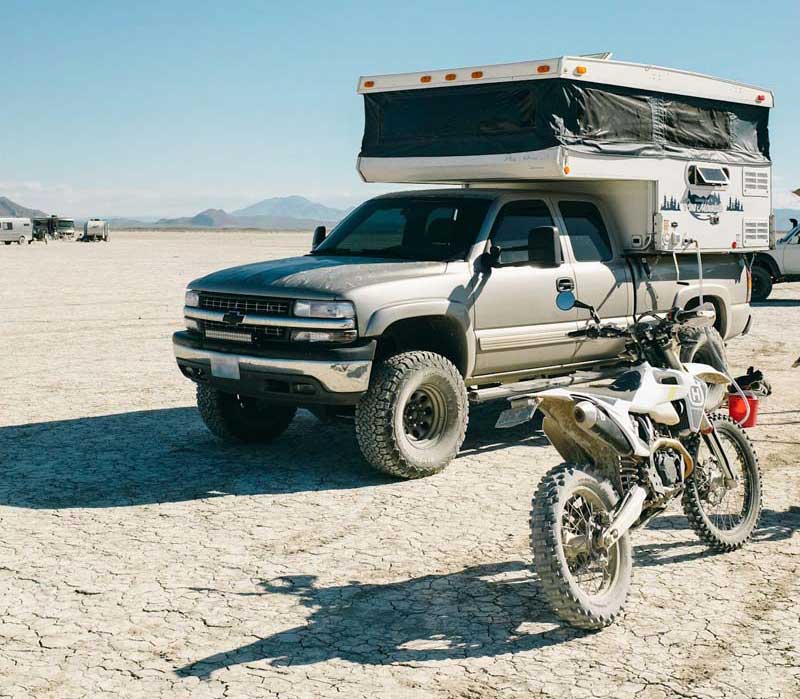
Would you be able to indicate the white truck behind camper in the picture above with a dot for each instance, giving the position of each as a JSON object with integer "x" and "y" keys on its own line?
{"x": 15, "y": 230}
{"x": 95, "y": 229}
{"x": 680, "y": 159}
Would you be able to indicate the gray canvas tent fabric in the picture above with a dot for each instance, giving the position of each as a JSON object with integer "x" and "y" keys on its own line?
{"x": 522, "y": 116}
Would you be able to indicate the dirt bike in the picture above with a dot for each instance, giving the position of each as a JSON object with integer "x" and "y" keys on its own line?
{"x": 630, "y": 449}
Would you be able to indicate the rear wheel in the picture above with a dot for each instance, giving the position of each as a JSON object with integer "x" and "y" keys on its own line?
{"x": 21, "y": 240}
{"x": 585, "y": 584}
{"x": 412, "y": 420}
{"x": 724, "y": 518}
{"x": 236, "y": 418}
{"x": 762, "y": 284}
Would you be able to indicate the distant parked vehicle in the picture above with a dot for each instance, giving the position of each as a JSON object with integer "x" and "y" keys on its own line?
{"x": 95, "y": 229}
{"x": 65, "y": 228}
{"x": 15, "y": 230}
{"x": 43, "y": 228}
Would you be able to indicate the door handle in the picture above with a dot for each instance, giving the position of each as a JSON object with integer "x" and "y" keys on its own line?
{"x": 565, "y": 284}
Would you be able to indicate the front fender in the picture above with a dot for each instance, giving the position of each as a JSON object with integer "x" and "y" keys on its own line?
{"x": 706, "y": 373}
{"x": 381, "y": 319}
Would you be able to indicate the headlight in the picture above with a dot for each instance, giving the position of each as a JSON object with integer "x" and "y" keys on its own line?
{"x": 324, "y": 335}
{"x": 324, "y": 309}
{"x": 192, "y": 298}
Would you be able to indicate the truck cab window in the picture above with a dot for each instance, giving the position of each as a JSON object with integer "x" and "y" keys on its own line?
{"x": 587, "y": 231}
{"x": 514, "y": 222}
{"x": 409, "y": 228}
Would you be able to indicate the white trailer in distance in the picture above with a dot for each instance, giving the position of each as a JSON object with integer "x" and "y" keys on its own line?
{"x": 15, "y": 230}
{"x": 95, "y": 229}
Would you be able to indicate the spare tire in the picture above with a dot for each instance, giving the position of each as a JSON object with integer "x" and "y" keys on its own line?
{"x": 706, "y": 346}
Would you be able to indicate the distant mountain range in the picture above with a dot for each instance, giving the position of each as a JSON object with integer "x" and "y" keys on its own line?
{"x": 294, "y": 213}
{"x": 279, "y": 213}
{"x": 14, "y": 210}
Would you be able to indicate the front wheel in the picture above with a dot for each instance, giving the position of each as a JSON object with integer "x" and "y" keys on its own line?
{"x": 723, "y": 517}
{"x": 236, "y": 418}
{"x": 585, "y": 583}
{"x": 21, "y": 240}
{"x": 412, "y": 420}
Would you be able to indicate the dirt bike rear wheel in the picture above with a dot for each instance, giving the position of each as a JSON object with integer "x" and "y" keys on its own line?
{"x": 585, "y": 586}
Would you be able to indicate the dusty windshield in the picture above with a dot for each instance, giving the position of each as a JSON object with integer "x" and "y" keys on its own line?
{"x": 409, "y": 228}
{"x": 65, "y": 223}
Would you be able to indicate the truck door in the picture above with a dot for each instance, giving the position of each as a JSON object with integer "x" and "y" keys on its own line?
{"x": 517, "y": 324}
{"x": 602, "y": 277}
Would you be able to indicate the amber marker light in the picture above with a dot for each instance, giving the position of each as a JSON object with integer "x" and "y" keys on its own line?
{"x": 476, "y": 74}
{"x": 425, "y": 79}
{"x": 566, "y": 169}
{"x": 581, "y": 70}
{"x": 543, "y": 69}
{"x": 369, "y": 83}
{"x": 450, "y": 76}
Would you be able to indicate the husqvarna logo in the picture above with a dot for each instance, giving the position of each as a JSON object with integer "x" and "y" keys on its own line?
{"x": 696, "y": 396}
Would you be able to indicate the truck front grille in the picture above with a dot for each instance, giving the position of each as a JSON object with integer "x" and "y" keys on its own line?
{"x": 245, "y": 304}
{"x": 252, "y": 334}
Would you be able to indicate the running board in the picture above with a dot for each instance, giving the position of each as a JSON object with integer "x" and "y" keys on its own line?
{"x": 522, "y": 388}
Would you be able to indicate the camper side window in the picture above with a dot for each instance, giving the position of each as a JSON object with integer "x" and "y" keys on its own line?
{"x": 708, "y": 176}
{"x": 7, "y": 226}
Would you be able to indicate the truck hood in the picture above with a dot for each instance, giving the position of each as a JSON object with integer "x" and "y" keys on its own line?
{"x": 315, "y": 276}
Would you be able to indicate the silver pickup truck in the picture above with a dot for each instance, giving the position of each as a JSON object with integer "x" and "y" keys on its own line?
{"x": 420, "y": 303}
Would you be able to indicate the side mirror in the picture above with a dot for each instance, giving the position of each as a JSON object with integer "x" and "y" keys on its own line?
{"x": 319, "y": 235}
{"x": 544, "y": 247}
{"x": 566, "y": 301}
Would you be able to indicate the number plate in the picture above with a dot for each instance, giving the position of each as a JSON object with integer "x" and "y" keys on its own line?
{"x": 225, "y": 367}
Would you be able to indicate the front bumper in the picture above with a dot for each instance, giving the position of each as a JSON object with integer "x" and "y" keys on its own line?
{"x": 326, "y": 376}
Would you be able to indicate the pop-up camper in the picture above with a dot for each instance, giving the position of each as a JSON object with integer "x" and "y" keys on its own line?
{"x": 678, "y": 157}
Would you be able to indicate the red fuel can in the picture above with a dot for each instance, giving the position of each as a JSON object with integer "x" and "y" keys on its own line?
{"x": 737, "y": 408}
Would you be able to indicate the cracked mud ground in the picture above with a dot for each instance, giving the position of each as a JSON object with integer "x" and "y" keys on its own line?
{"x": 140, "y": 558}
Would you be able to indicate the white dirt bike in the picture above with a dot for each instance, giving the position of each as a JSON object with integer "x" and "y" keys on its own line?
{"x": 630, "y": 449}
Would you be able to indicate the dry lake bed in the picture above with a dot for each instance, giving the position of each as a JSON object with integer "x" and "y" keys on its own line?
{"x": 141, "y": 558}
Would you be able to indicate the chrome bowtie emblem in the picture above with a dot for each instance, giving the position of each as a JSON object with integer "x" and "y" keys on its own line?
{"x": 233, "y": 318}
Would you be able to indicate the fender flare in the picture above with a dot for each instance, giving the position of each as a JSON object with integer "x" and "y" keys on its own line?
{"x": 381, "y": 319}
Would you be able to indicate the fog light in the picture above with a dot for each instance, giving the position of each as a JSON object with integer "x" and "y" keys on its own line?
{"x": 193, "y": 325}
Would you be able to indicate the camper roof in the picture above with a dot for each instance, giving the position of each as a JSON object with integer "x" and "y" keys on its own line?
{"x": 594, "y": 69}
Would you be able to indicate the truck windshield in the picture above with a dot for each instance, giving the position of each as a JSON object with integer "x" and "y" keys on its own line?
{"x": 64, "y": 223}
{"x": 409, "y": 228}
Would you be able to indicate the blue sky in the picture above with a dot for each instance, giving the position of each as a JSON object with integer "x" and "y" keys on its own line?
{"x": 166, "y": 108}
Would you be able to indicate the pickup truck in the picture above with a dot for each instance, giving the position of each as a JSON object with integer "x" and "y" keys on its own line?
{"x": 780, "y": 264}
{"x": 420, "y": 303}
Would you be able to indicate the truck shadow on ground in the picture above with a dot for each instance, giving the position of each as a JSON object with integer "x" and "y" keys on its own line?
{"x": 167, "y": 455}
{"x": 476, "y": 612}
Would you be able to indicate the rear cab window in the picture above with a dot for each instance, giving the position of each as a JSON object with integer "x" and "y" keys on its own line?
{"x": 587, "y": 231}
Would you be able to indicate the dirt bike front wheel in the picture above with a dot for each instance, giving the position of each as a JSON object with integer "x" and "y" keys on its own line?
{"x": 725, "y": 518}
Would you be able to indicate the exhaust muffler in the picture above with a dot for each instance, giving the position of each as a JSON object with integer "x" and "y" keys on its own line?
{"x": 594, "y": 421}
